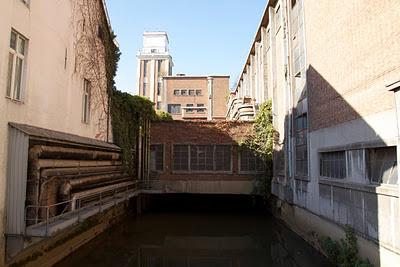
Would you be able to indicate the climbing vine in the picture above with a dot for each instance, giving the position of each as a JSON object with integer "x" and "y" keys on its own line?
{"x": 261, "y": 144}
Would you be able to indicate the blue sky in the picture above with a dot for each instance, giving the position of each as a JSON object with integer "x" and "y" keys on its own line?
{"x": 207, "y": 37}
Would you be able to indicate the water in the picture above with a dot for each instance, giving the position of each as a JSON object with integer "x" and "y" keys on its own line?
{"x": 211, "y": 239}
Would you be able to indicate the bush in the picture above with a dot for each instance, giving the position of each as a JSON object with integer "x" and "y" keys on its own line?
{"x": 345, "y": 252}
{"x": 162, "y": 116}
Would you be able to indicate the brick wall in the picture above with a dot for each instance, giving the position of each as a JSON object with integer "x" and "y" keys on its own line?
{"x": 199, "y": 133}
{"x": 351, "y": 60}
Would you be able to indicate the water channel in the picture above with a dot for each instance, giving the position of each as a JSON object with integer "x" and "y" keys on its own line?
{"x": 200, "y": 238}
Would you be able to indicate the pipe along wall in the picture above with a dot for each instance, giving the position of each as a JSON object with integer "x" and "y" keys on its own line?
{"x": 56, "y": 174}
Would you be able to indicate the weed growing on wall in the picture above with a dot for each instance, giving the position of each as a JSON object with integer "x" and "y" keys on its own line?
{"x": 345, "y": 252}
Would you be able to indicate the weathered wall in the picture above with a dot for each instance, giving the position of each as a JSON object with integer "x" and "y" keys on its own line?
{"x": 52, "y": 93}
{"x": 203, "y": 133}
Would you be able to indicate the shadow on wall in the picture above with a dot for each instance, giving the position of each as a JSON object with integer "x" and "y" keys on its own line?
{"x": 352, "y": 163}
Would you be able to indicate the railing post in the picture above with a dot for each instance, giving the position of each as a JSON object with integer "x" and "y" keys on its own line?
{"x": 79, "y": 210}
{"x": 47, "y": 221}
{"x": 101, "y": 204}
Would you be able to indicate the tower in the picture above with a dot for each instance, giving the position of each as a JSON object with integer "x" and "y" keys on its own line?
{"x": 154, "y": 62}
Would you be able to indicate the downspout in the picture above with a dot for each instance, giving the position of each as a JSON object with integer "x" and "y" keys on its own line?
{"x": 210, "y": 98}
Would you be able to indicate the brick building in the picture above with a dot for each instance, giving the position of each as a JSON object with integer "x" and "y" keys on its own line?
{"x": 203, "y": 157}
{"x": 334, "y": 108}
{"x": 195, "y": 97}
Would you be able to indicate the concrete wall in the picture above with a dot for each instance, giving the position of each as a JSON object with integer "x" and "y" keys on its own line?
{"x": 347, "y": 62}
{"x": 52, "y": 90}
{"x": 202, "y": 133}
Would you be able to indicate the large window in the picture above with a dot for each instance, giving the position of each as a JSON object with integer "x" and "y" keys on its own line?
{"x": 382, "y": 165}
{"x": 145, "y": 62}
{"x": 174, "y": 108}
{"x": 86, "y": 102}
{"x": 16, "y": 61}
{"x": 181, "y": 158}
{"x": 301, "y": 146}
{"x": 223, "y": 157}
{"x": 333, "y": 165}
{"x": 250, "y": 162}
{"x": 202, "y": 158}
{"x": 156, "y": 157}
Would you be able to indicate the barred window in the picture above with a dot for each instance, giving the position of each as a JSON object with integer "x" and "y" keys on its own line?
{"x": 382, "y": 165}
{"x": 333, "y": 164}
{"x": 202, "y": 158}
{"x": 174, "y": 108}
{"x": 250, "y": 162}
{"x": 223, "y": 157}
{"x": 156, "y": 157}
{"x": 181, "y": 158}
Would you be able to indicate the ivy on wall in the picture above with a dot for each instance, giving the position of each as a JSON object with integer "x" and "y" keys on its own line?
{"x": 261, "y": 144}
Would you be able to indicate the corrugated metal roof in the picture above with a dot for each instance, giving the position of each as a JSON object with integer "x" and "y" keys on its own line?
{"x": 50, "y": 135}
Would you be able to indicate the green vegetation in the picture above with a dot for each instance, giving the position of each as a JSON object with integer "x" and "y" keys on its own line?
{"x": 261, "y": 143}
{"x": 162, "y": 116}
{"x": 345, "y": 252}
{"x": 130, "y": 120}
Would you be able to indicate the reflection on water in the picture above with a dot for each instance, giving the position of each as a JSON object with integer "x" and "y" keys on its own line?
{"x": 197, "y": 240}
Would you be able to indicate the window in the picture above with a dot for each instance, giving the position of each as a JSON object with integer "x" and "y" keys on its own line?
{"x": 382, "y": 165}
{"x": 223, "y": 157}
{"x": 158, "y": 105}
{"x": 174, "y": 108}
{"x": 301, "y": 145}
{"x": 184, "y": 92}
{"x": 191, "y": 92}
{"x": 177, "y": 92}
{"x": 16, "y": 64}
{"x": 159, "y": 85}
{"x": 333, "y": 165}
{"x": 189, "y": 110}
{"x": 153, "y": 50}
{"x": 201, "y": 110}
{"x": 250, "y": 162}
{"x": 198, "y": 92}
{"x": 159, "y": 65}
{"x": 145, "y": 68}
{"x": 86, "y": 102}
{"x": 156, "y": 157}
{"x": 181, "y": 157}
{"x": 278, "y": 18}
{"x": 202, "y": 158}
{"x": 144, "y": 88}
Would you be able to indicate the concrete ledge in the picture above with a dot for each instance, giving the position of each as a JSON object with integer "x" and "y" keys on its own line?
{"x": 312, "y": 227}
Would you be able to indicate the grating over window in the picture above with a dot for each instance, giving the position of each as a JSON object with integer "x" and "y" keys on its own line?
{"x": 202, "y": 158}
{"x": 181, "y": 158}
{"x": 223, "y": 157}
{"x": 333, "y": 165}
{"x": 249, "y": 162}
{"x": 156, "y": 157}
{"x": 382, "y": 165}
{"x": 301, "y": 146}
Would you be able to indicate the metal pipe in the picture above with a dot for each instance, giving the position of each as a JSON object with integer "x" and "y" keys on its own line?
{"x": 74, "y": 153}
{"x": 47, "y": 173}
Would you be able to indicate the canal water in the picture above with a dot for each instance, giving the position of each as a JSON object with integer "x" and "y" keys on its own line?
{"x": 213, "y": 238}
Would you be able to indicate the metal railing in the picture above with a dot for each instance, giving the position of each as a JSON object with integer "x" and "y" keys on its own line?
{"x": 36, "y": 215}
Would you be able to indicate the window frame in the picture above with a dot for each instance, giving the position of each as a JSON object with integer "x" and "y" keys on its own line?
{"x": 189, "y": 160}
{"x": 86, "y": 105}
{"x": 15, "y": 54}
{"x": 163, "y": 158}
{"x": 240, "y": 171}
{"x": 346, "y": 168}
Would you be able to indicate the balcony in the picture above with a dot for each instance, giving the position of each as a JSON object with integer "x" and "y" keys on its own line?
{"x": 241, "y": 109}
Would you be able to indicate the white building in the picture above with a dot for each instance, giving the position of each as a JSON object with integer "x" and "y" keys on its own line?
{"x": 154, "y": 62}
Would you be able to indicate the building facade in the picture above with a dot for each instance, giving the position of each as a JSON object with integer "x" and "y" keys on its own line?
{"x": 203, "y": 157}
{"x": 52, "y": 77}
{"x": 154, "y": 62}
{"x": 332, "y": 83}
{"x": 195, "y": 97}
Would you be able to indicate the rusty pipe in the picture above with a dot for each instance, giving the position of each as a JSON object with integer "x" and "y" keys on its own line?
{"x": 74, "y": 153}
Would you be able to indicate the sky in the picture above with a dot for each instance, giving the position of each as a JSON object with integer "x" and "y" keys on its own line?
{"x": 207, "y": 37}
